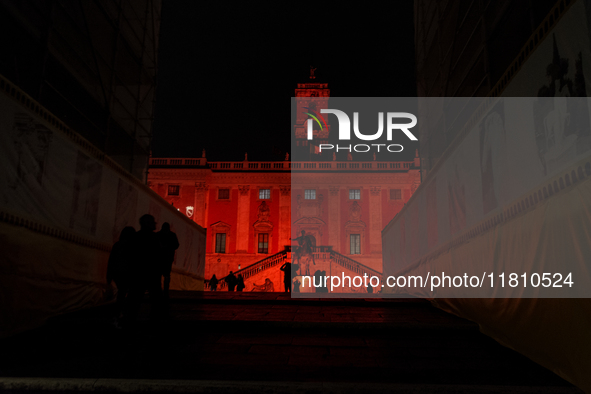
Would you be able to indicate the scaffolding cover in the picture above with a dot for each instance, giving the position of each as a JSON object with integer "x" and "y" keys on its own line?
{"x": 62, "y": 206}
{"x": 512, "y": 194}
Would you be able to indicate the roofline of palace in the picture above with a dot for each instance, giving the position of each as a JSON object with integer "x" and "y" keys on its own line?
{"x": 285, "y": 165}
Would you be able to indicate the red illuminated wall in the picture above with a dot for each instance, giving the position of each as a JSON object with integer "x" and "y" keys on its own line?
{"x": 327, "y": 220}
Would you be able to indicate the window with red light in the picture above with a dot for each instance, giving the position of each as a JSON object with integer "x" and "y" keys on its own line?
{"x": 174, "y": 190}
{"x": 355, "y": 244}
{"x": 395, "y": 194}
{"x": 220, "y": 243}
{"x": 263, "y": 243}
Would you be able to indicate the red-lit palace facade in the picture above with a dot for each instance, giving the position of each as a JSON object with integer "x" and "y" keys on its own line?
{"x": 252, "y": 209}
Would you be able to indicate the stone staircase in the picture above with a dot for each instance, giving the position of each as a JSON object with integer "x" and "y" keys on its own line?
{"x": 327, "y": 259}
{"x": 262, "y": 269}
{"x": 222, "y": 342}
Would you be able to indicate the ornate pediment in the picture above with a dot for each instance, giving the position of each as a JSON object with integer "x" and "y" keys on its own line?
{"x": 220, "y": 226}
{"x": 263, "y": 227}
{"x": 308, "y": 221}
{"x": 312, "y": 226}
{"x": 350, "y": 224}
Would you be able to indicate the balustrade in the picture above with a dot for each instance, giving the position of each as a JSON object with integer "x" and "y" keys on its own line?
{"x": 320, "y": 252}
{"x": 283, "y": 165}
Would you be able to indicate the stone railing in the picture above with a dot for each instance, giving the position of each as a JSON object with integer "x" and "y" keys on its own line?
{"x": 304, "y": 166}
{"x": 354, "y": 266}
{"x": 311, "y": 165}
{"x": 155, "y": 162}
{"x": 320, "y": 252}
{"x": 261, "y": 265}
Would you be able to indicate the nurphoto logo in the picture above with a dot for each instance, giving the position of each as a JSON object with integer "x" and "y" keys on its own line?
{"x": 345, "y": 129}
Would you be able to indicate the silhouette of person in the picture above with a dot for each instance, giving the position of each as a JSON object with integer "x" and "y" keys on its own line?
{"x": 213, "y": 283}
{"x": 240, "y": 283}
{"x": 325, "y": 287}
{"x": 169, "y": 243}
{"x": 369, "y": 288}
{"x": 119, "y": 267}
{"x": 318, "y": 281}
{"x": 231, "y": 281}
{"x": 146, "y": 267}
{"x": 286, "y": 268}
{"x": 296, "y": 286}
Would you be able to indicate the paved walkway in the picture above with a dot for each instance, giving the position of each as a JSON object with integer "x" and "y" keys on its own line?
{"x": 269, "y": 342}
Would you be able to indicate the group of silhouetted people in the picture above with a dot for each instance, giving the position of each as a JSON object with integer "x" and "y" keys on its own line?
{"x": 234, "y": 283}
{"x": 138, "y": 262}
{"x": 318, "y": 278}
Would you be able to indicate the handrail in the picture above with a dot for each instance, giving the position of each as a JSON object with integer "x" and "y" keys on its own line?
{"x": 354, "y": 266}
{"x": 259, "y": 266}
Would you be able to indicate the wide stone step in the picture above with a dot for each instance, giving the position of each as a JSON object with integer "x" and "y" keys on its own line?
{"x": 224, "y": 342}
{"x": 153, "y": 386}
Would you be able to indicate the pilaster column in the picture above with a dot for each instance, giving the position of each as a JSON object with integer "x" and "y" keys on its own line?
{"x": 242, "y": 225}
{"x": 284, "y": 216}
{"x": 199, "y": 204}
{"x": 375, "y": 220}
{"x": 334, "y": 218}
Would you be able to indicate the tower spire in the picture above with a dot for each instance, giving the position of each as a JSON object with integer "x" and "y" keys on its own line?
{"x": 312, "y": 69}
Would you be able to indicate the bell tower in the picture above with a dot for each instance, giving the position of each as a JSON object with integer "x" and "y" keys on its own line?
{"x": 311, "y": 97}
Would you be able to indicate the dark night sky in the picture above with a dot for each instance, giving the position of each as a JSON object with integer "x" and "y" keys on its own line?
{"x": 227, "y": 72}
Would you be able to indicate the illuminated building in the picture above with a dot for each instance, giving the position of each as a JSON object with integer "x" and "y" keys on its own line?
{"x": 251, "y": 209}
